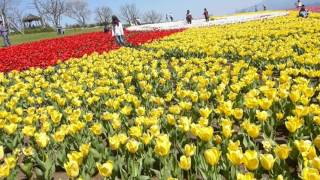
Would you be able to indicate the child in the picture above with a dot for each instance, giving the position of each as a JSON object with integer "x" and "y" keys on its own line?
{"x": 206, "y": 14}
{"x": 189, "y": 17}
{"x": 117, "y": 31}
{"x": 4, "y": 34}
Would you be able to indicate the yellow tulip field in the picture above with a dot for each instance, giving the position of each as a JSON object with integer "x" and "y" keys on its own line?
{"x": 226, "y": 102}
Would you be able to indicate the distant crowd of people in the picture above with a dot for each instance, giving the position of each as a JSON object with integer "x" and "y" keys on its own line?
{"x": 118, "y": 32}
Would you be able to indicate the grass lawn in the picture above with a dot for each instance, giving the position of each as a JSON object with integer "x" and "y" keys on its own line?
{"x": 23, "y": 38}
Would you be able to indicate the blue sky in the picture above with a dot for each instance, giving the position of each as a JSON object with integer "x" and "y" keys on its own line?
{"x": 176, "y": 7}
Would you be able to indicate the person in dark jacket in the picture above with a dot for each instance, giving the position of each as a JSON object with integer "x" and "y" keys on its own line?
{"x": 189, "y": 17}
{"x": 206, "y": 14}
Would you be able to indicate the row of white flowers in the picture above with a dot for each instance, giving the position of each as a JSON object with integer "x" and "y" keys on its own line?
{"x": 203, "y": 23}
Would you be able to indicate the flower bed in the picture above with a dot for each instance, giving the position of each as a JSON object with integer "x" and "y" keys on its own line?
{"x": 232, "y": 102}
{"x": 47, "y": 52}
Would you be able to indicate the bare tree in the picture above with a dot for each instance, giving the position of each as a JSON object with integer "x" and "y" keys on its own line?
{"x": 15, "y": 16}
{"x": 103, "y": 14}
{"x": 130, "y": 13}
{"x": 51, "y": 10}
{"x": 78, "y": 10}
{"x": 152, "y": 17}
{"x": 11, "y": 15}
{"x": 6, "y": 7}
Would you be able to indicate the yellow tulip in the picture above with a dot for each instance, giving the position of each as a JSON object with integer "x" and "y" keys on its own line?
{"x": 253, "y": 130}
{"x": 247, "y": 176}
{"x": 72, "y": 168}
{"x": 132, "y": 146}
{"x": 189, "y": 149}
{"x": 84, "y": 149}
{"x": 114, "y": 142}
{"x": 212, "y": 156}
{"x": 233, "y": 146}
{"x": 96, "y": 129}
{"x": 205, "y": 133}
{"x": 175, "y": 109}
{"x": 265, "y": 104}
{"x": 303, "y": 145}
{"x": 205, "y": 112}
{"x": 126, "y": 110}
{"x": 28, "y": 131}
{"x": 146, "y": 138}
{"x": 310, "y": 174}
{"x": 42, "y": 139}
{"x": 88, "y": 117}
{"x": 262, "y": 115}
{"x": 185, "y": 163}
{"x": 10, "y": 128}
{"x": 293, "y": 124}
{"x": 279, "y": 116}
{"x": 235, "y": 157}
{"x": 279, "y": 177}
{"x": 105, "y": 169}
{"x": 237, "y": 113}
{"x": 59, "y": 136}
{"x": 76, "y": 156}
{"x": 11, "y": 161}
{"x": 217, "y": 139}
{"x": 267, "y": 161}
{"x": 4, "y": 171}
{"x": 29, "y": 151}
{"x": 123, "y": 138}
{"x": 316, "y": 141}
{"x": 311, "y": 154}
{"x": 135, "y": 131}
{"x": 294, "y": 96}
{"x": 171, "y": 120}
{"x": 1, "y": 153}
{"x": 316, "y": 163}
{"x": 184, "y": 124}
{"x": 282, "y": 151}
{"x": 140, "y": 111}
{"x": 171, "y": 178}
{"x": 250, "y": 160}
{"x": 163, "y": 145}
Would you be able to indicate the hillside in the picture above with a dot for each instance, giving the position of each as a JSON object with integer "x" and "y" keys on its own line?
{"x": 280, "y": 4}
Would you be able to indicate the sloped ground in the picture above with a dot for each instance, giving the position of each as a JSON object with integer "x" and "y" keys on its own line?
{"x": 203, "y": 23}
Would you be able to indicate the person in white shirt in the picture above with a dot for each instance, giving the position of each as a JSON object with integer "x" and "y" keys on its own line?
{"x": 4, "y": 34}
{"x": 117, "y": 31}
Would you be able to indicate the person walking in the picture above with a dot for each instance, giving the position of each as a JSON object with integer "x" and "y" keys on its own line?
{"x": 206, "y": 14}
{"x": 189, "y": 17}
{"x": 4, "y": 34}
{"x": 117, "y": 31}
{"x": 171, "y": 17}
